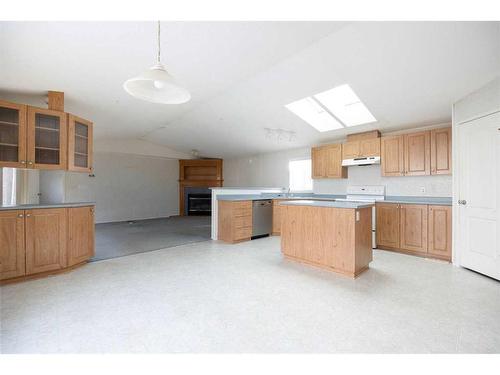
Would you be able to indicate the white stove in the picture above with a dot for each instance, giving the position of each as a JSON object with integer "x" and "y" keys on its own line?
{"x": 370, "y": 194}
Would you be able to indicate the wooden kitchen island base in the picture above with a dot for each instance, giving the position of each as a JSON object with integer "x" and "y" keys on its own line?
{"x": 332, "y": 235}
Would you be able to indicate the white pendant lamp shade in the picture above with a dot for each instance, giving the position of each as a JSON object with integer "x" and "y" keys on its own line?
{"x": 156, "y": 85}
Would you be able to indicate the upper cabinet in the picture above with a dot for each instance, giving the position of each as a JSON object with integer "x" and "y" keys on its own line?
{"x": 362, "y": 148}
{"x": 362, "y": 145}
{"x": 441, "y": 151}
{"x": 79, "y": 144}
{"x": 392, "y": 156}
{"x": 40, "y": 138}
{"x": 417, "y": 154}
{"x": 327, "y": 162}
{"x": 12, "y": 135}
{"x": 47, "y": 139}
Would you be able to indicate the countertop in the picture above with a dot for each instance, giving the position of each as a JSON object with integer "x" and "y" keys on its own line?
{"x": 265, "y": 196}
{"x": 442, "y": 201}
{"x": 48, "y": 205}
{"x": 329, "y": 204}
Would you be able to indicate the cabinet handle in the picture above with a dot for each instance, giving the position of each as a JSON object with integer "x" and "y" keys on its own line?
{"x": 30, "y": 163}
{"x": 20, "y": 215}
{"x": 28, "y": 215}
{"x": 23, "y": 161}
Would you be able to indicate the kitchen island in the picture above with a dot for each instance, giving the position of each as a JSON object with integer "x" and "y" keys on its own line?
{"x": 328, "y": 234}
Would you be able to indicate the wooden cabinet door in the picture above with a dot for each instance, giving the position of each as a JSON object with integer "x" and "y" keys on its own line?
{"x": 351, "y": 150}
{"x": 12, "y": 135}
{"x": 440, "y": 231}
{"x": 369, "y": 147}
{"x": 80, "y": 144}
{"x": 417, "y": 147}
{"x": 441, "y": 151}
{"x": 413, "y": 224}
{"x": 276, "y": 217}
{"x": 45, "y": 240}
{"x": 81, "y": 234}
{"x": 334, "y": 168}
{"x": 318, "y": 159}
{"x": 46, "y": 139}
{"x": 12, "y": 254}
{"x": 387, "y": 225}
{"x": 392, "y": 155}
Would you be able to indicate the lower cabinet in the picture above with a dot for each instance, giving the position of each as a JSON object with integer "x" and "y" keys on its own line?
{"x": 41, "y": 241}
{"x": 388, "y": 225}
{"x": 12, "y": 253}
{"x": 81, "y": 234}
{"x": 276, "y": 218}
{"x": 234, "y": 221}
{"x": 413, "y": 224}
{"x": 45, "y": 240}
{"x": 415, "y": 228}
{"x": 440, "y": 231}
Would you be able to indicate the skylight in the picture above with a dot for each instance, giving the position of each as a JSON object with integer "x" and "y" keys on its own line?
{"x": 314, "y": 114}
{"x": 336, "y": 108}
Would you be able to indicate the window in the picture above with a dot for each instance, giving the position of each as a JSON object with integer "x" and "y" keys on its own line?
{"x": 314, "y": 114}
{"x": 333, "y": 109}
{"x": 299, "y": 172}
{"x": 9, "y": 186}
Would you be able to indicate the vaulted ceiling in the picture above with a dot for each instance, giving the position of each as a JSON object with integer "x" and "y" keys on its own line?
{"x": 241, "y": 74}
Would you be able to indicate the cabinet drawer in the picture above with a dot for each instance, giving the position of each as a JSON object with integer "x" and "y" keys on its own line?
{"x": 242, "y": 205}
{"x": 239, "y": 212}
{"x": 243, "y": 221}
{"x": 242, "y": 233}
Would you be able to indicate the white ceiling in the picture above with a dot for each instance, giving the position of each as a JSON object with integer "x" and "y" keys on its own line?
{"x": 241, "y": 74}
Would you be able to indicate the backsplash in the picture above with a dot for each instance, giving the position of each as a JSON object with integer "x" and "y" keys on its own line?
{"x": 433, "y": 186}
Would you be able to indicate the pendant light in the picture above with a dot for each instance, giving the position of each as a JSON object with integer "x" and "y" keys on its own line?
{"x": 156, "y": 85}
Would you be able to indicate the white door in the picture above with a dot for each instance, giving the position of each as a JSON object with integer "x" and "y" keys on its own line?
{"x": 479, "y": 173}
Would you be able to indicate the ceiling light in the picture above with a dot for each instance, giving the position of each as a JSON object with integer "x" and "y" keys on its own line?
{"x": 156, "y": 85}
{"x": 345, "y": 105}
{"x": 311, "y": 112}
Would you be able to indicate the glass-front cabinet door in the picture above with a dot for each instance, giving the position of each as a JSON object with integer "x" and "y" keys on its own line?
{"x": 47, "y": 139}
{"x": 12, "y": 135}
{"x": 79, "y": 144}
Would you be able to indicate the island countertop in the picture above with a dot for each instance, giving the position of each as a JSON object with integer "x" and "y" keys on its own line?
{"x": 441, "y": 201}
{"x": 329, "y": 204}
{"x": 47, "y": 205}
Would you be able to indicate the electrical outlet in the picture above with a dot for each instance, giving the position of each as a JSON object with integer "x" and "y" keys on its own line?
{"x": 422, "y": 189}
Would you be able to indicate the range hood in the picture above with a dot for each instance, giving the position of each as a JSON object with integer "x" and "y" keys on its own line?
{"x": 361, "y": 161}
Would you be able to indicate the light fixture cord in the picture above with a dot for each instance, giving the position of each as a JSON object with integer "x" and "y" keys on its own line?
{"x": 159, "y": 47}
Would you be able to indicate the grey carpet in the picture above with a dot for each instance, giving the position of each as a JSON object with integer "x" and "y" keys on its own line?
{"x": 114, "y": 240}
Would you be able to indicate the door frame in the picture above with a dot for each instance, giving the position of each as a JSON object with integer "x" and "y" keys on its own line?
{"x": 456, "y": 249}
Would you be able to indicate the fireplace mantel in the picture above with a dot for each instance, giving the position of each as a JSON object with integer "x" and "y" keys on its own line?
{"x": 198, "y": 173}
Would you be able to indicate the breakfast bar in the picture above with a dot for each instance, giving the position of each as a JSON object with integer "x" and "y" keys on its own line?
{"x": 333, "y": 235}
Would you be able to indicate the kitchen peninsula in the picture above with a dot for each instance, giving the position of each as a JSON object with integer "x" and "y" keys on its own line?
{"x": 329, "y": 234}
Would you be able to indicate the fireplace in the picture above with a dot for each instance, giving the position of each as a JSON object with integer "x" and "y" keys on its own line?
{"x": 196, "y": 176}
{"x": 198, "y": 201}
{"x": 199, "y": 204}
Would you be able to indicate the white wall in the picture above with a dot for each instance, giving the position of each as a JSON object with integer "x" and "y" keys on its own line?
{"x": 271, "y": 170}
{"x": 125, "y": 187}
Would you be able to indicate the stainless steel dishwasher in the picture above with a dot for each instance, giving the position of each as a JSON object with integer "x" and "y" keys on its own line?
{"x": 262, "y": 218}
